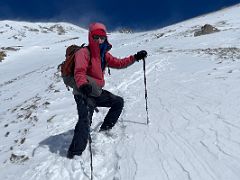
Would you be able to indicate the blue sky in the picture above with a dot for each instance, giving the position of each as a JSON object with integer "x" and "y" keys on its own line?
{"x": 137, "y": 15}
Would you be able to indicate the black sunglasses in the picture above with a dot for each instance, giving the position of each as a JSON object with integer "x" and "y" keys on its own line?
{"x": 96, "y": 37}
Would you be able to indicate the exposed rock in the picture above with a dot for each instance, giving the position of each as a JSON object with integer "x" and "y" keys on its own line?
{"x": 125, "y": 30}
{"x": 2, "y": 55}
{"x": 31, "y": 29}
{"x": 224, "y": 53}
{"x": 158, "y": 35}
{"x": 18, "y": 158}
{"x": 7, "y": 133}
{"x": 206, "y": 29}
{"x": 10, "y": 48}
{"x": 22, "y": 140}
{"x": 60, "y": 30}
{"x": 55, "y": 28}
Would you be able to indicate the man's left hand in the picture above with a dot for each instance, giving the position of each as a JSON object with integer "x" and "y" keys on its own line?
{"x": 140, "y": 55}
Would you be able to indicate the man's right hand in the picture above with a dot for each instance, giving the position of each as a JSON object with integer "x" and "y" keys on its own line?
{"x": 86, "y": 89}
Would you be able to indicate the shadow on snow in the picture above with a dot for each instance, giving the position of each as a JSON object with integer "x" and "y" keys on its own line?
{"x": 59, "y": 143}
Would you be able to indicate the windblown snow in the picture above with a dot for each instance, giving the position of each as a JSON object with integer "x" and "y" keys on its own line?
{"x": 193, "y": 98}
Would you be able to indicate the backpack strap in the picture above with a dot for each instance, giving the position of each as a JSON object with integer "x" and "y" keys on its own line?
{"x": 83, "y": 45}
{"x": 109, "y": 72}
{"x": 89, "y": 52}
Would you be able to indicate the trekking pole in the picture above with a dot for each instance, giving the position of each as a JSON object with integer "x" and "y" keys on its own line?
{"x": 89, "y": 104}
{"x": 90, "y": 142}
{"x": 145, "y": 84}
{"x": 91, "y": 156}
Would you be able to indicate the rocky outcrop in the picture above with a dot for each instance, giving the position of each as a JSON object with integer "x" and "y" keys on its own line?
{"x": 2, "y": 55}
{"x": 206, "y": 29}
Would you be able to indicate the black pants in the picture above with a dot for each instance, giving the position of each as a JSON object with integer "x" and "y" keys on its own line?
{"x": 81, "y": 132}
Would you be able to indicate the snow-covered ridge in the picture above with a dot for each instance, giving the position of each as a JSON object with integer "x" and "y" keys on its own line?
{"x": 59, "y": 28}
{"x": 22, "y": 33}
{"x": 193, "y": 97}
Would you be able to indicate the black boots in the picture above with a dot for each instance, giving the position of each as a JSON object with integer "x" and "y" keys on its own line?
{"x": 105, "y": 127}
{"x": 70, "y": 155}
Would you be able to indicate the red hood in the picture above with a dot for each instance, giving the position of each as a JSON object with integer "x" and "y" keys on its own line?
{"x": 93, "y": 45}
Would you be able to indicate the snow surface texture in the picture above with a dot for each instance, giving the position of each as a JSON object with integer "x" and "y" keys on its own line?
{"x": 193, "y": 96}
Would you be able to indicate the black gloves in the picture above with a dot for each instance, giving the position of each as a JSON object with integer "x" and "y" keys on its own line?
{"x": 140, "y": 55}
{"x": 86, "y": 89}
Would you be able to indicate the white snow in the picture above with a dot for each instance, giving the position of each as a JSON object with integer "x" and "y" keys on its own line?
{"x": 193, "y": 97}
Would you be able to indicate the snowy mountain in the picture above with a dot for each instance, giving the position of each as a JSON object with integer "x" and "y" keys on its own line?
{"x": 193, "y": 97}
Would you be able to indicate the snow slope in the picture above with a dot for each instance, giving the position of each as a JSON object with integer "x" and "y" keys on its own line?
{"x": 193, "y": 97}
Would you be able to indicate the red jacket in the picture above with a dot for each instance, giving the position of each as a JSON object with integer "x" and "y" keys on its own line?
{"x": 85, "y": 67}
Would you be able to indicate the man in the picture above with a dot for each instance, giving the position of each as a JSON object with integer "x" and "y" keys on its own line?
{"x": 90, "y": 64}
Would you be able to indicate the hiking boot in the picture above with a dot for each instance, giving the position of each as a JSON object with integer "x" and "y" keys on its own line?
{"x": 70, "y": 155}
{"x": 105, "y": 128}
